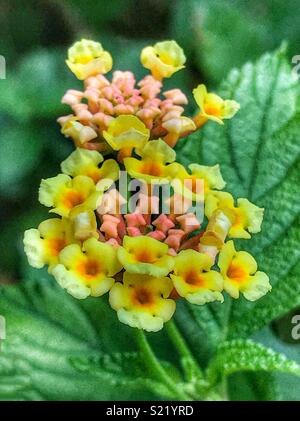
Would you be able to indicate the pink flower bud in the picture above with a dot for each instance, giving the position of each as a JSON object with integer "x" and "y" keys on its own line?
{"x": 106, "y": 106}
{"x": 163, "y": 223}
{"x": 157, "y": 235}
{"x": 133, "y": 231}
{"x": 72, "y": 97}
{"x": 188, "y": 222}
{"x": 135, "y": 220}
{"x": 110, "y": 226}
{"x": 174, "y": 238}
{"x": 107, "y": 92}
{"x": 123, "y": 109}
{"x": 177, "y": 96}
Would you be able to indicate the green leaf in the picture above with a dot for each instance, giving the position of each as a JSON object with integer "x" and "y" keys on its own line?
{"x": 286, "y": 385}
{"x": 60, "y": 348}
{"x": 253, "y": 386}
{"x": 203, "y": 327}
{"x": 222, "y": 35}
{"x": 259, "y": 154}
{"x": 125, "y": 369}
{"x": 246, "y": 355}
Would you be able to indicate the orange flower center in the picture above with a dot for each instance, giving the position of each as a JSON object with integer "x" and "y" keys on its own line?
{"x": 151, "y": 168}
{"x": 193, "y": 278}
{"x": 239, "y": 220}
{"x": 211, "y": 109}
{"x": 73, "y": 198}
{"x": 94, "y": 175}
{"x": 89, "y": 268}
{"x": 143, "y": 297}
{"x": 237, "y": 273}
{"x": 55, "y": 245}
{"x": 145, "y": 256}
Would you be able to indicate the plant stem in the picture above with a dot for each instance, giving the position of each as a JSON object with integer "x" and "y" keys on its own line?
{"x": 156, "y": 368}
{"x": 190, "y": 365}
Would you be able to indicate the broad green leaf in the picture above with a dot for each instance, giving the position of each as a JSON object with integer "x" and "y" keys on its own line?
{"x": 246, "y": 355}
{"x": 221, "y": 35}
{"x": 259, "y": 154}
{"x": 253, "y": 386}
{"x": 286, "y": 385}
{"x": 203, "y": 327}
{"x": 51, "y": 340}
{"x": 125, "y": 369}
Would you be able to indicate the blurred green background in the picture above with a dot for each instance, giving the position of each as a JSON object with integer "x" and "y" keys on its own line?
{"x": 216, "y": 35}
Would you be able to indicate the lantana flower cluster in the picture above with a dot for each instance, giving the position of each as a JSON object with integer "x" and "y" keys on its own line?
{"x": 148, "y": 254}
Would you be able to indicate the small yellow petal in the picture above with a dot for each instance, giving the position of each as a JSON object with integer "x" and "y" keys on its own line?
{"x": 126, "y": 131}
{"x": 33, "y": 248}
{"x": 211, "y": 175}
{"x": 77, "y": 131}
{"x": 257, "y": 287}
{"x": 159, "y": 151}
{"x": 82, "y": 162}
{"x": 227, "y": 253}
{"x": 146, "y": 255}
{"x": 253, "y": 215}
{"x": 84, "y": 224}
{"x": 152, "y": 166}
{"x": 108, "y": 173}
{"x": 179, "y": 125}
{"x": 163, "y": 59}
{"x": 87, "y": 58}
{"x": 217, "y": 200}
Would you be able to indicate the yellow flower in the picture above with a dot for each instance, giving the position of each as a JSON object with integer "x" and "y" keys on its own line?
{"x": 179, "y": 125}
{"x": 126, "y": 132}
{"x": 152, "y": 167}
{"x": 239, "y": 270}
{"x": 65, "y": 194}
{"x": 198, "y": 182}
{"x": 87, "y": 58}
{"x": 217, "y": 229}
{"x": 194, "y": 280}
{"x": 85, "y": 162}
{"x": 163, "y": 59}
{"x": 84, "y": 224}
{"x": 142, "y": 301}
{"x": 176, "y": 127}
{"x": 77, "y": 131}
{"x": 246, "y": 217}
{"x": 43, "y": 245}
{"x": 88, "y": 270}
{"x": 213, "y": 107}
{"x": 144, "y": 254}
